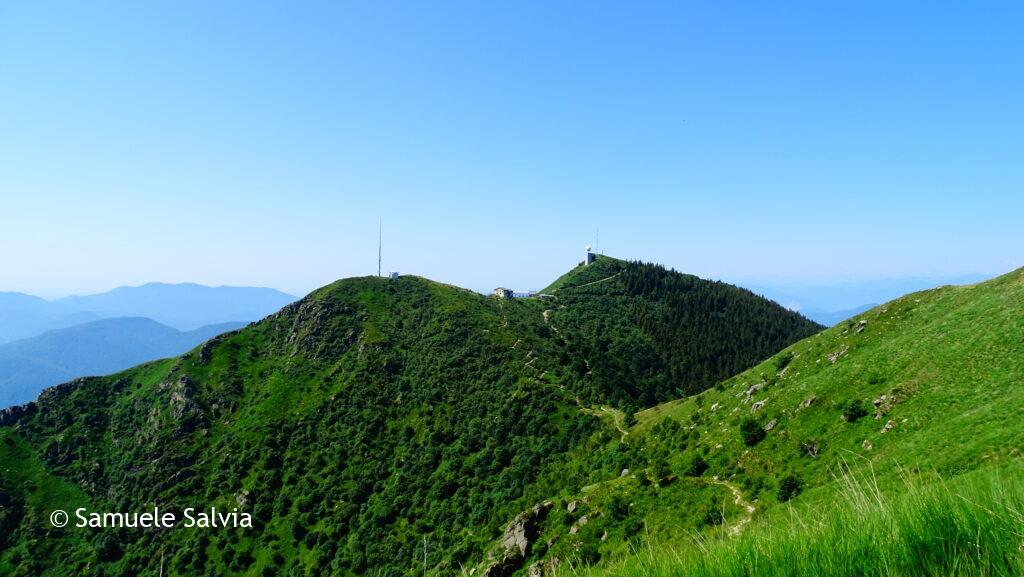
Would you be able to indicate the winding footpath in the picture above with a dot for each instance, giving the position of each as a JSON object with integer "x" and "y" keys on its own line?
{"x": 739, "y": 501}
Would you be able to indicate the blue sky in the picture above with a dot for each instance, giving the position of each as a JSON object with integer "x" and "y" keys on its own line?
{"x": 257, "y": 143}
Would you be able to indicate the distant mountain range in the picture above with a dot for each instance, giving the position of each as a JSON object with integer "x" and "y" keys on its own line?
{"x": 183, "y": 306}
{"x": 44, "y": 343}
{"x": 96, "y": 348}
{"x": 23, "y": 316}
{"x": 830, "y": 304}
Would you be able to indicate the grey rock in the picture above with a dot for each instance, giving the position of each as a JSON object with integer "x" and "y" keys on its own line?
{"x": 807, "y": 402}
{"x": 11, "y": 415}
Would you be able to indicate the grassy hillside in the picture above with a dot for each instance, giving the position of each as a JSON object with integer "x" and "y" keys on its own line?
{"x": 927, "y": 387}
{"x": 368, "y": 422}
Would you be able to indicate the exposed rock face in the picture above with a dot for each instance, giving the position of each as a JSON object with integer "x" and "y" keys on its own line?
{"x": 517, "y": 540}
{"x": 771, "y": 425}
{"x": 888, "y": 426}
{"x": 321, "y": 328}
{"x": 185, "y": 411}
{"x": 503, "y": 568}
{"x": 863, "y": 324}
{"x": 807, "y": 402}
{"x": 572, "y": 506}
{"x": 55, "y": 393}
{"x": 10, "y": 416}
{"x": 757, "y": 406}
{"x": 866, "y": 445}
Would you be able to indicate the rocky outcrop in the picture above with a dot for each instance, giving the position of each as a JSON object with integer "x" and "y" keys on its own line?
{"x": 833, "y": 357}
{"x": 58, "y": 392}
{"x": 518, "y": 539}
{"x": 11, "y": 415}
{"x": 806, "y": 402}
{"x": 321, "y": 328}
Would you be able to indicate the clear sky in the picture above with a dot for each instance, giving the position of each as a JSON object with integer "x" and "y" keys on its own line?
{"x": 258, "y": 143}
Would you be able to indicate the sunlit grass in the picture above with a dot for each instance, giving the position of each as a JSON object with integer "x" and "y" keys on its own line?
{"x": 972, "y": 526}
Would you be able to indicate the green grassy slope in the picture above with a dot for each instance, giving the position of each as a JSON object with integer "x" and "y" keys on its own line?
{"x": 929, "y": 386}
{"x": 354, "y": 425}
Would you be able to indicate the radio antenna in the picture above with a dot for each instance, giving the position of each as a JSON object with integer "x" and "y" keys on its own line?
{"x": 380, "y": 237}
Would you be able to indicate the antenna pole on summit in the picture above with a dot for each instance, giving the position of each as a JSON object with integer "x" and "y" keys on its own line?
{"x": 380, "y": 236}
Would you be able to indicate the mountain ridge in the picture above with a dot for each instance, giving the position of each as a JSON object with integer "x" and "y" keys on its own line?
{"x": 375, "y": 415}
{"x": 416, "y": 408}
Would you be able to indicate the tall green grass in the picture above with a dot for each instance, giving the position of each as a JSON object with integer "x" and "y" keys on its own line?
{"x": 972, "y": 526}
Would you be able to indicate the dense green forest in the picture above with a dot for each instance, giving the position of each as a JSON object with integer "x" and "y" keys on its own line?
{"x": 644, "y": 334}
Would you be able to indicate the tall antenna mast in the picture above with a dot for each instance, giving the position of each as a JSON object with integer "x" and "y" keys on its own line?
{"x": 380, "y": 237}
{"x": 597, "y": 245}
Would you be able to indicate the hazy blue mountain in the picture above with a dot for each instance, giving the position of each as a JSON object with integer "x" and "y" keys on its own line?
{"x": 832, "y": 318}
{"x": 23, "y": 316}
{"x": 183, "y": 306}
{"x": 830, "y": 304}
{"x": 95, "y": 348}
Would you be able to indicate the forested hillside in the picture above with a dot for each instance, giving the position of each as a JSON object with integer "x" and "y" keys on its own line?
{"x": 371, "y": 424}
{"x": 644, "y": 334}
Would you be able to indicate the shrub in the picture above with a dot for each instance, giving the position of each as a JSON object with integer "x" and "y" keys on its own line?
{"x": 789, "y": 487}
{"x": 630, "y": 417}
{"x": 751, "y": 431}
{"x": 695, "y": 467}
{"x": 783, "y": 360}
{"x": 854, "y": 410}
